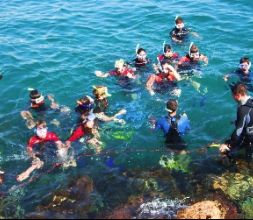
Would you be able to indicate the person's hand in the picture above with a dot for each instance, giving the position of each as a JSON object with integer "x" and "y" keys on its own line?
{"x": 226, "y": 78}
{"x": 151, "y": 92}
{"x": 121, "y": 112}
{"x": 224, "y": 148}
{"x": 100, "y": 74}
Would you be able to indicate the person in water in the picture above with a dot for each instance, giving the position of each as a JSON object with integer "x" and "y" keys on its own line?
{"x": 86, "y": 128}
{"x": 42, "y": 136}
{"x": 1, "y": 177}
{"x": 242, "y": 137}
{"x": 173, "y": 126}
{"x": 167, "y": 75}
{"x": 168, "y": 54}
{"x": 122, "y": 69}
{"x": 243, "y": 72}
{"x": 141, "y": 58}
{"x": 38, "y": 104}
{"x": 193, "y": 57}
{"x": 101, "y": 104}
{"x": 180, "y": 33}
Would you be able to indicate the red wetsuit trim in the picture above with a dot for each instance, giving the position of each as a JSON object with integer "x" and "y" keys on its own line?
{"x": 77, "y": 134}
{"x": 161, "y": 77}
{"x": 51, "y": 137}
{"x": 124, "y": 73}
{"x": 161, "y": 57}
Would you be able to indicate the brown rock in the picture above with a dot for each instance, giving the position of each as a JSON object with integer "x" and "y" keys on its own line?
{"x": 207, "y": 210}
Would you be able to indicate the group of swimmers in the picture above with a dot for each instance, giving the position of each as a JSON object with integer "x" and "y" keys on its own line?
{"x": 92, "y": 109}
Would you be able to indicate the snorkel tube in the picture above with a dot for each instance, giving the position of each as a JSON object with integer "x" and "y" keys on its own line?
{"x": 136, "y": 49}
{"x": 190, "y": 47}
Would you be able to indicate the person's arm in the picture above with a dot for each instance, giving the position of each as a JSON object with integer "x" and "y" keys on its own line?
{"x": 239, "y": 125}
{"x": 103, "y": 117}
{"x": 204, "y": 58}
{"x": 101, "y": 74}
{"x": 54, "y": 104}
{"x": 36, "y": 164}
{"x": 150, "y": 83}
{"x": 175, "y": 73}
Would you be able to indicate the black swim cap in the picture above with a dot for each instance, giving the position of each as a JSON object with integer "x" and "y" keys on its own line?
{"x": 34, "y": 94}
{"x": 166, "y": 47}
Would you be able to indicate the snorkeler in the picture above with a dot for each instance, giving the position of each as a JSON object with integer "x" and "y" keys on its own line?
{"x": 101, "y": 104}
{"x": 167, "y": 75}
{"x": 122, "y": 69}
{"x": 84, "y": 105}
{"x": 180, "y": 33}
{"x": 141, "y": 57}
{"x": 242, "y": 137}
{"x": 192, "y": 58}
{"x": 243, "y": 72}
{"x": 86, "y": 128}
{"x": 173, "y": 126}
{"x": 168, "y": 54}
{"x": 1, "y": 177}
{"x": 38, "y": 104}
{"x": 42, "y": 136}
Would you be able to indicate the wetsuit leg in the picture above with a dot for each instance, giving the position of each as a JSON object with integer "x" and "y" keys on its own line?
{"x": 248, "y": 152}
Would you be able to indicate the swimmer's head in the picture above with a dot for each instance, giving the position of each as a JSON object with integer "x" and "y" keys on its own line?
{"x": 239, "y": 91}
{"x": 120, "y": 64}
{"x": 245, "y": 64}
{"x": 100, "y": 92}
{"x": 36, "y": 97}
{"x": 179, "y": 22}
{"x": 194, "y": 52}
{"x": 141, "y": 54}
{"x": 41, "y": 129}
{"x": 166, "y": 67}
{"x": 86, "y": 103}
{"x": 168, "y": 52}
{"x": 172, "y": 106}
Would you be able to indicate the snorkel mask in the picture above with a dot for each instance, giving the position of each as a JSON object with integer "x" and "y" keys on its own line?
{"x": 38, "y": 100}
{"x": 41, "y": 132}
{"x": 245, "y": 66}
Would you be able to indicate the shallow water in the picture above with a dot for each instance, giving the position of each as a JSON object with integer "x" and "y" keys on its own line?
{"x": 56, "y": 46}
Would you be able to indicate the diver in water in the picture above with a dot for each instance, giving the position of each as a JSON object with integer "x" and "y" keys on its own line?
{"x": 242, "y": 137}
{"x": 192, "y": 58}
{"x": 243, "y": 72}
{"x": 42, "y": 136}
{"x": 122, "y": 70}
{"x": 38, "y": 104}
{"x": 168, "y": 54}
{"x": 141, "y": 59}
{"x": 86, "y": 129}
{"x": 167, "y": 75}
{"x": 101, "y": 104}
{"x": 173, "y": 126}
{"x": 180, "y": 33}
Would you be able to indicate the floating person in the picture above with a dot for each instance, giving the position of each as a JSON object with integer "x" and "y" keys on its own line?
{"x": 192, "y": 58}
{"x": 242, "y": 137}
{"x": 38, "y": 105}
{"x": 141, "y": 59}
{"x": 101, "y": 104}
{"x": 168, "y": 75}
{"x": 42, "y": 136}
{"x": 243, "y": 72}
{"x": 180, "y": 33}
{"x": 122, "y": 70}
{"x": 86, "y": 128}
{"x": 173, "y": 126}
{"x": 168, "y": 54}
{"x": 1, "y": 76}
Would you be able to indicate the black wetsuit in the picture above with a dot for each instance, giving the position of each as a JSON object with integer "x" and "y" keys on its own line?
{"x": 138, "y": 63}
{"x": 242, "y": 136}
{"x": 179, "y": 34}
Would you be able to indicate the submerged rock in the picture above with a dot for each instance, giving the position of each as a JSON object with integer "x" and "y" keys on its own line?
{"x": 77, "y": 201}
{"x": 208, "y": 210}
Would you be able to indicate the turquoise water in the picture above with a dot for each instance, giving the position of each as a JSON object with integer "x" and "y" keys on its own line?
{"x": 56, "y": 46}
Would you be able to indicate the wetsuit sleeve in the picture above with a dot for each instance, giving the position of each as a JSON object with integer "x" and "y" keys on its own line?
{"x": 53, "y": 137}
{"x": 77, "y": 134}
{"x": 240, "y": 125}
{"x": 32, "y": 142}
{"x": 113, "y": 73}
